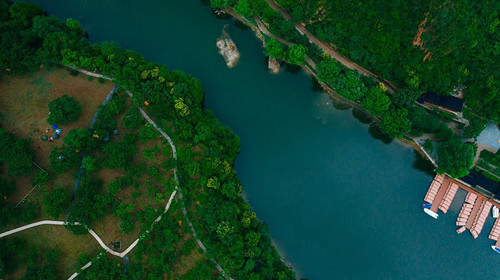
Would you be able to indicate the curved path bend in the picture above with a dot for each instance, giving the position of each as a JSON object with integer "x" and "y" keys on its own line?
{"x": 177, "y": 190}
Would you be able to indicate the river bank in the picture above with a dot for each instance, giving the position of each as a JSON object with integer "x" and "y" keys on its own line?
{"x": 309, "y": 66}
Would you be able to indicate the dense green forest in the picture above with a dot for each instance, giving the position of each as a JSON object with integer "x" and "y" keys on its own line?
{"x": 407, "y": 43}
{"x": 458, "y": 44}
{"x": 206, "y": 153}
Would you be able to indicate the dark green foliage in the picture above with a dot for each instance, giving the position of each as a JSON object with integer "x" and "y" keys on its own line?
{"x": 133, "y": 119}
{"x": 105, "y": 122}
{"x": 475, "y": 127}
{"x": 455, "y": 157}
{"x": 89, "y": 204}
{"x": 328, "y": 71}
{"x": 406, "y": 97}
{"x": 6, "y": 189}
{"x": 219, "y": 4}
{"x": 91, "y": 163}
{"x": 17, "y": 153}
{"x": 376, "y": 101}
{"x": 64, "y": 110}
{"x": 243, "y": 8}
{"x": 396, "y": 123}
{"x": 29, "y": 212}
{"x": 103, "y": 268}
{"x": 296, "y": 54}
{"x": 117, "y": 104}
{"x": 428, "y": 146}
{"x": 41, "y": 179}
{"x": 64, "y": 158}
{"x": 147, "y": 132}
{"x": 458, "y": 45}
{"x": 22, "y": 13}
{"x": 223, "y": 219}
{"x": 79, "y": 139}
{"x": 274, "y": 49}
{"x": 55, "y": 202}
{"x": 350, "y": 86}
{"x": 119, "y": 153}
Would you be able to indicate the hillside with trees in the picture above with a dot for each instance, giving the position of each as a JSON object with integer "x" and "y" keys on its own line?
{"x": 206, "y": 153}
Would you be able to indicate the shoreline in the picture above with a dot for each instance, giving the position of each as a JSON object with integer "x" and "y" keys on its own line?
{"x": 326, "y": 89}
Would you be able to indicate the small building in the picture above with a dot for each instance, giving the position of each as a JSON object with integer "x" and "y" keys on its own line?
{"x": 481, "y": 183}
{"x": 448, "y": 102}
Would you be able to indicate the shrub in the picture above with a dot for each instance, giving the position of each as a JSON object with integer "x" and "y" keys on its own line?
{"x": 55, "y": 201}
{"x": 64, "y": 110}
{"x": 133, "y": 119}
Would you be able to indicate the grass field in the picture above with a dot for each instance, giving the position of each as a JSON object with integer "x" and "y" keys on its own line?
{"x": 24, "y": 110}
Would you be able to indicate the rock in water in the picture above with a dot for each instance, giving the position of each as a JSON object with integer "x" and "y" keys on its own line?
{"x": 228, "y": 49}
{"x": 274, "y": 65}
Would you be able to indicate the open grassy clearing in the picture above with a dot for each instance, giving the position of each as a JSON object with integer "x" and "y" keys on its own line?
{"x": 68, "y": 244}
{"x": 24, "y": 110}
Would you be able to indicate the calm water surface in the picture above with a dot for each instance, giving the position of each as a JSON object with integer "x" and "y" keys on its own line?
{"x": 339, "y": 203}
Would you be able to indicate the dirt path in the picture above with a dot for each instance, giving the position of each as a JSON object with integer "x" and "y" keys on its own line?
{"x": 178, "y": 188}
{"x": 329, "y": 50}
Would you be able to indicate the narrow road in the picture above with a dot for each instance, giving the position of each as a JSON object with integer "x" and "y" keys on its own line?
{"x": 329, "y": 50}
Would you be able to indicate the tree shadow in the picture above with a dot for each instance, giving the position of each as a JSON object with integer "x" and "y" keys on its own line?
{"x": 377, "y": 133}
{"x": 361, "y": 116}
{"x": 293, "y": 69}
{"x": 423, "y": 164}
{"x": 240, "y": 25}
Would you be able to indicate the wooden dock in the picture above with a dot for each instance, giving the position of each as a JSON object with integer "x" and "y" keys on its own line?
{"x": 439, "y": 197}
{"x": 474, "y": 212}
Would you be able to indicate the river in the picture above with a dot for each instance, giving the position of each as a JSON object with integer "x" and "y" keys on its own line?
{"x": 339, "y": 203}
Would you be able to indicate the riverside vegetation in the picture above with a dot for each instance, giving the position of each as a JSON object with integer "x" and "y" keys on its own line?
{"x": 206, "y": 154}
{"x": 434, "y": 48}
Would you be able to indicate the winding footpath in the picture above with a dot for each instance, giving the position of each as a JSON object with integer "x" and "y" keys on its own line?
{"x": 177, "y": 190}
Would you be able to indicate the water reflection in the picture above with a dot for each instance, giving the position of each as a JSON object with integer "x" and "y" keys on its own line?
{"x": 423, "y": 164}
{"x": 376, "y": 133}
{"x": 361, "y": 116}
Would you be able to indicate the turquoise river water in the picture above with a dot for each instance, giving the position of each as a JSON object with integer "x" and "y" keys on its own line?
{"x": 339, "y": 203}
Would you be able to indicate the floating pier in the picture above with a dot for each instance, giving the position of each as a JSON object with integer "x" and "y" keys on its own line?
{"x": 474, "y": 212}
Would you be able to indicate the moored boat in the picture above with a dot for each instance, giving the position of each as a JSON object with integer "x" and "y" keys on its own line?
{"x": 495, "y": 248}
{"x": 495, "y": 211}
{"x": 431, "y": 213}
{"x": 426, "y": 205}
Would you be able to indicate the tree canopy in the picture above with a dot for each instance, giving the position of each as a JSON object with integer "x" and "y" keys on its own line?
{"x": 455, "y": 157}
{"x": 64, "y": 110}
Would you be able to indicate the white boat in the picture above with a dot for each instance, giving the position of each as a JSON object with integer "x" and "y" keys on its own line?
{"x": 431, "y": 213}
{"x": 495, "y": 211}
{"x": 495, "y": 248}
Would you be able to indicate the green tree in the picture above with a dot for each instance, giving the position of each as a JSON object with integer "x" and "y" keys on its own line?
{"x": 64, "y": 110}
{"x": 328, "y": 71}
{"x": 79, "y": 139}
{"x": 376, "y": 101}
{"x": 350, "y": 85}
{"x": 22, "y": 13}
{"x": 274, "y": 49}
{"x": 90, "y": 163}
{"x": 118, "y": 153}
{"x": 396, "y": 123}
{"x": 296, "y": 54}
{"x": 133, "y": 119}
{"x": 455, "y": 157}
{"x": 55, "y": 202}
{"x": 243, "y": 8}
{"x": 220, "y": 4}
{"x": 64, "y": 158}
